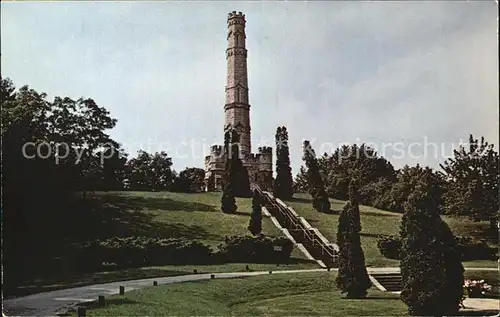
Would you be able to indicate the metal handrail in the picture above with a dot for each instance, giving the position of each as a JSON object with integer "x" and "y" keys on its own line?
{"x": 297, "y": 224}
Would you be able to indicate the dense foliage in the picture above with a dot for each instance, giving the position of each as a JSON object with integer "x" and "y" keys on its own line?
{"x": 468, "y": 247}
{"x": 140, "y": 251}
{"x": 50, "y": 151}
{"x": 190, "y": 180}
{"x": 283, "y": 185}
{"x": 472, "y": 180}
{"x": 467, "y": 184}
{"x": 150, "y": 172}
{"x": 352, "y": 276}
{"x": 316, "y": 186}
{"x": 431, "y": 270}
{"x": 259, "y": 249}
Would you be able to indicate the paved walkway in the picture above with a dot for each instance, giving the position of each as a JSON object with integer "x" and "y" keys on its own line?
{"x": 54, "y": 302}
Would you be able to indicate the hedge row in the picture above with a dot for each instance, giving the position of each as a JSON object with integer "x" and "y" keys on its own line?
{"x": 259, "y": 249}
{"x": 470, "y": 249}
{"x": 148, "y": 251}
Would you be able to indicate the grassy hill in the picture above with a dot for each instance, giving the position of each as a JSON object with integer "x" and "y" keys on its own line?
{"x": 194, "y": 216}
{"x": 303, "y": 294}
{"x": 162, "y": 214}
{"x": 376, "y": 222}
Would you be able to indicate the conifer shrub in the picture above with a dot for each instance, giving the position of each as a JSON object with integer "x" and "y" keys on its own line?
{"x": 316, "y": 185}
{"x": 255, "y": 225}
{"x": 352, "y": 277}
{"x": 228, "y": 200}
{"x": 283, "y": 185}
{"x": 431, "y": 270}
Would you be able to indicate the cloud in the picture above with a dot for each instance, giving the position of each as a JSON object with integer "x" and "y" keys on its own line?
{"x": 330, "y": 71}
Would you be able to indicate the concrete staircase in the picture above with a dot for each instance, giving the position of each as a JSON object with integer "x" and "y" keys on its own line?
{"x": 299, "y": 230}
{"x": 392, "y": 282}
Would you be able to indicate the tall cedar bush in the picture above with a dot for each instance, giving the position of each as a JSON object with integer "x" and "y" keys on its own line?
{"x": 283, "y": 185}
{"x": 255, "y": 225}
{"x": 316, "y": 185}
{"x": 352, "y": 276}
{"x": 430, "y": 261}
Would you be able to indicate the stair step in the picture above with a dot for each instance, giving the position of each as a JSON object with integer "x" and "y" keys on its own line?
{"x": 391, "y": 282}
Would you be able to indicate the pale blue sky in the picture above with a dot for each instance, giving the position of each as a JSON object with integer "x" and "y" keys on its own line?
{"x": 332, "y": 72}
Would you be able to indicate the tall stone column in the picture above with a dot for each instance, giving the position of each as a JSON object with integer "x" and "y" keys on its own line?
{"x": 237, "y": 108}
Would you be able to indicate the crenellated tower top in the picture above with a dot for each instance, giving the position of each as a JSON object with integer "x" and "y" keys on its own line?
{"x": 235, "y": 14}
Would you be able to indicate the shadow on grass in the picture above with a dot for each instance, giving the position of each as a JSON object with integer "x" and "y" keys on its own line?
{"x": 158, "y": 203}
{"x": 111, "y": 216}
{"x": 372, "y": 235}
{"x": 74, "y": 221}
{"x": 239, "y": 213}
{"x": 379, "y": 214}
{"x": 300, "y": 200}
{"x": 77, "y": 280}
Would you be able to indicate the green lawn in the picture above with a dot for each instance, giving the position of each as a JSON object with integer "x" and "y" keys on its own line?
{"x": 304, "y": 294}
{"x": 376, "y": 222}
{"x": 33, "y": 286}
{"x": 193, "y": 216}
{"x": 165, "y": 214}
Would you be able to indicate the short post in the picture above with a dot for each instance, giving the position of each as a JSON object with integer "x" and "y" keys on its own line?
{"x": 122, "y": 290}
{"x": 155, "y": 283}
{"x": 82, "y": 311}
{"x": 195, "y": 271}
{"x": 101, "y": 301}
{"x": 212, "y": 276}
{"x": 247, "y": 268}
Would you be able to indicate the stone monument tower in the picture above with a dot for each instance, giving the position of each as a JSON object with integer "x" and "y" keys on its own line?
{"x": 237, "y": 114}
{"x": 237, "y": 108}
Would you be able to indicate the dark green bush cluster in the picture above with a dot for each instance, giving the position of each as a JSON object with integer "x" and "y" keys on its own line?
{"x": 144, "y": 251}
{"x": 475, "y": 249}
{"x": 260, "y": 249}
{"x": 389, "y": 246}
{"x": 468, "y": 247}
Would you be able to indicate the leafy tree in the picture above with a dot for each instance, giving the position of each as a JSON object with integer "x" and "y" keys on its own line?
{"x": 316, "y": 185}
{"x": 408, "y": 178}
{"x": 190, "y": 180}
{"x": 352, "y": 276}
{"x": 228, "y": 201}
{"x": 300, "y": 184}
{"x": 46, "y": 181}
{"x": 430, "y": 262}
{"x": 255, "y": 225}
{"x": 113, "y": 167}
{"x": 472, "y": 182}
{"x": 283, "y": 185}
{"x": 150, "y": 172}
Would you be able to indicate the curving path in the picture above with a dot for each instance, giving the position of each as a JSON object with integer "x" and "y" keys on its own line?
{"x": 58, "y": 302}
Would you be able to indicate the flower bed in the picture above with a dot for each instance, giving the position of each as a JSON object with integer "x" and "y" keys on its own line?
{"x": 476, "y": 288}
